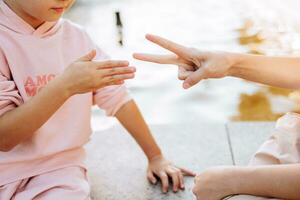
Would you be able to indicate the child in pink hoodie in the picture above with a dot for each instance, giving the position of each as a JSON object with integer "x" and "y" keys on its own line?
{"x": 47, "y": 88}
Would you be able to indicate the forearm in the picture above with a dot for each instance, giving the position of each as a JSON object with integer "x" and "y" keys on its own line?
{"x": 280, "y": 181}
{"x": 131, "y": 118}
{"x": 20, "y": 123}
{"x": 276, "y": 71}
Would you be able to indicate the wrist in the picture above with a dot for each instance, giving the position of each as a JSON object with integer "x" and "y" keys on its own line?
{"x": 155, "y": 155}
{"x": 63, "y": 88}
{"x": 235, "y": 60}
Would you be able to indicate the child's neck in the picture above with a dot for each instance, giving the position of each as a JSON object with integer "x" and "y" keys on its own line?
{"x": 35, "y": 23}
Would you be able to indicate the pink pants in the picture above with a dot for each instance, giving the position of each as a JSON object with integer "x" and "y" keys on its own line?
{"x": 68, "y": 184}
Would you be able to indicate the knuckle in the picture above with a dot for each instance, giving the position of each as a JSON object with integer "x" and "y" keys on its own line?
{"x": 180, "y": 76}
{"x": 177, "y": 170}
{"x": 149, "y": 175}
{"x": 173, "y": 173}
{"x": 193, "y": 80}
{"x": 163, "y": 176}
{"x": 209, "y": 70}
{"x": 106, "y": 63}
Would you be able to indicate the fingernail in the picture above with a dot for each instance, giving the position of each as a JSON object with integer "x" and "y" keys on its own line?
{"x": 154, "y": 182}
{"x": 186, "y": 85}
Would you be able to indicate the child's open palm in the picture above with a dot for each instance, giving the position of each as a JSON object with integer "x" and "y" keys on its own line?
{"x": 86, "y": 75}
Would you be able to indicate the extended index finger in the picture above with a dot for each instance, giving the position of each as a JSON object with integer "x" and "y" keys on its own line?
{"x": 160, "y": 59}
{"x": 178, "y": 49}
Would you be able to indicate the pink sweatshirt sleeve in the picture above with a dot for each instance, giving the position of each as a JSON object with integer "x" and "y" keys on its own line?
{"x": 9, "y": 94}
{"x": 110, "y": 98}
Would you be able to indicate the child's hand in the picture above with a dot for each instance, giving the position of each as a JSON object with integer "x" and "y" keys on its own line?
{"x": 85, "y": 75}
{"x": 163, "y": 169}
{"x": 193, "y": 64}
{"x": 216, "y": 183}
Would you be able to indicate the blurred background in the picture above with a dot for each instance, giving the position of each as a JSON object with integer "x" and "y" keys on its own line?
{"x": 267, "y": 27}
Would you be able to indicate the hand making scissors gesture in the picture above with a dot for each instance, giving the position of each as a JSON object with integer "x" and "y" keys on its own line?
{"x": 193, "y": 65}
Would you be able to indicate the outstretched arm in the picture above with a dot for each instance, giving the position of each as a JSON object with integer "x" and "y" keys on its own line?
{"x": 195, "y": 65}
{"x": 275, "y": 71}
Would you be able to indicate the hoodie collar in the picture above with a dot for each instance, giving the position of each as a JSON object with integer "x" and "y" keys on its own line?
{"x": 17, "y": 24}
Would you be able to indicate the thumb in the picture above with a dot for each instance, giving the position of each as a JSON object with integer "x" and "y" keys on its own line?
{"x": 88, "y": 57}
{"x": 151, "y": 177}
{"x": 183, "y": 73}
{"x": 194, "y": 78}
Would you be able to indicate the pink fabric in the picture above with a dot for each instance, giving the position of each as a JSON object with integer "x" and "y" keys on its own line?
{"x": 69, "y": 184}
{"x": 283, "y": 147}
{"x": 29, "y": 59}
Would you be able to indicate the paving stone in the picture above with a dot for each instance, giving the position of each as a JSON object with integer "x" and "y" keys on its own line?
{"x": 247, "y": 137}
{"x": 117, "y": 166}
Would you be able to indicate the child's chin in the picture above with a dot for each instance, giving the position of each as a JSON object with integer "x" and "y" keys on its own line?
{"x": 54, "y": 17}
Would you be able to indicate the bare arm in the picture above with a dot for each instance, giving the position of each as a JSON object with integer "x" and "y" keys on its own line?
{"x": 195, "y": 65}
{"x": 276, "y": 181}
{"x": 280, "y": 181}
{"x": 132, "y": 119}
{"x": 276, "y": 71}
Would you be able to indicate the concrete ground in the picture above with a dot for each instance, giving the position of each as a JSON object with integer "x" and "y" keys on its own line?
{"x": 117, "y": 165}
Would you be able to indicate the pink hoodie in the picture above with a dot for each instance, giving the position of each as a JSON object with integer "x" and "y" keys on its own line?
{"x": 29, "y": 59}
